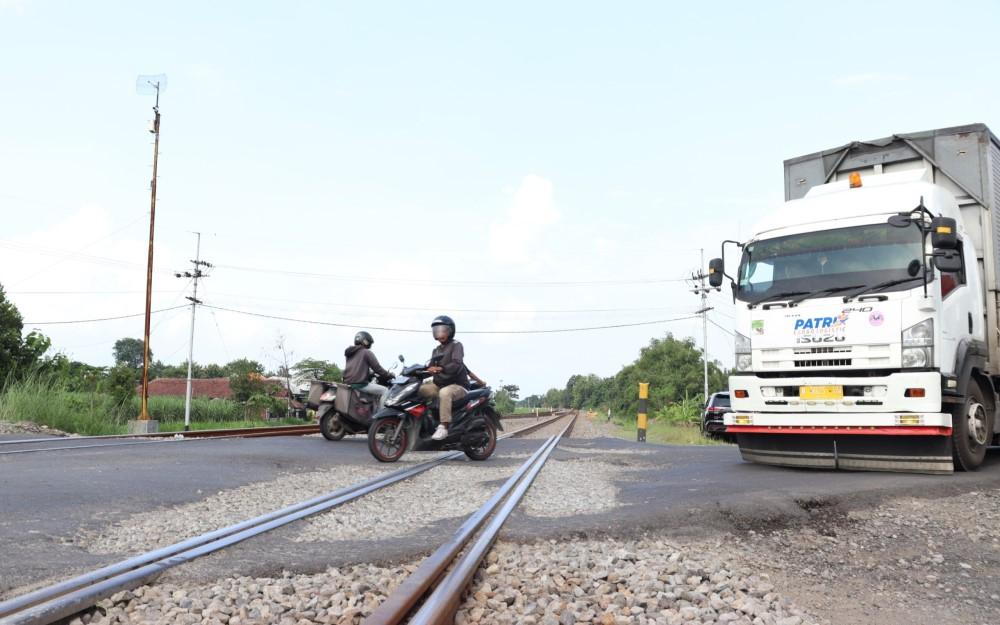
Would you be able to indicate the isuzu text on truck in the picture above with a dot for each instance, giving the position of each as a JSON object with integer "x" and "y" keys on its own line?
{"x": 866, "y": 326}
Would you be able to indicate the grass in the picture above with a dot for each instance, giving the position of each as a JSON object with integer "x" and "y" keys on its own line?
{"x": 675, "y": 424}
{"x": 39, "y": 400}
{"x": 662, "y": 433}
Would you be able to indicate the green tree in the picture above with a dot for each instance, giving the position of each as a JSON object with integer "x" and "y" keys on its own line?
{"x": 246, "y": 379}
{"x": 17, "y": 353}
{"x": 512, "y": 390}
{"x": 128, "y": 352}
{"x": 322, "y": 369}
{"x": 120, "y": 383}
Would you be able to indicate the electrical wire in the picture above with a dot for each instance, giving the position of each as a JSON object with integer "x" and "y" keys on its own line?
{"x": 385, "y": 329}
{"x": 465, "y": 283}
{"x": 51, "y": 323}
{"x": 79, "y": 250}
{"x": 726, "y": 330}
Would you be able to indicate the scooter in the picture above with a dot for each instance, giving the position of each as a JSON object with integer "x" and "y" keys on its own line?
{"x": 408, "y": 421}
{"x": 340, "y": 409}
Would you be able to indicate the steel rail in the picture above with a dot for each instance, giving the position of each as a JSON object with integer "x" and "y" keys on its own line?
{"x": 70, "y": 596}
{"x": 264, "y": 430}
{"x": 442, "y": 604}
{"x": 401, "y": 602}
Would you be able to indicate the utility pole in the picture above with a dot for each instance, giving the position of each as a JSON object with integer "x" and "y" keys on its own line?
{"x": 195, "y": 274}
{"x": 144, "y": 425}
{"x": 702, "y": 289}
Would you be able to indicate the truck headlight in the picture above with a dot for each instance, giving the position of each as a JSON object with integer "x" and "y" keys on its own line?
{"x": 918, "y": 345}
{"x": 743, "y": 357}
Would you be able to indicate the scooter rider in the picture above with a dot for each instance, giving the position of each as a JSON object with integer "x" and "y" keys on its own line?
{"x": 451, "y": 377}
{"x": 361, "y": 363}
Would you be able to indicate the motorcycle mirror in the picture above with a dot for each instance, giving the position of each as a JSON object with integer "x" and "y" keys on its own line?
{"x": 401, "y": 359}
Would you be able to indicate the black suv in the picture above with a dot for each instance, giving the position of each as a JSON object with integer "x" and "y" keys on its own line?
{"x": 711, "y": 418}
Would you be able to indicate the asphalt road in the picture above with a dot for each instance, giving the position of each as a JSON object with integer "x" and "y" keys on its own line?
{"x": 47, "y": 498}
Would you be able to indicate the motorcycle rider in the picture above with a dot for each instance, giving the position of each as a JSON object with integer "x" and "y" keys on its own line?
{"x": 451, "y": 377}
{"x": 361, "y": 363}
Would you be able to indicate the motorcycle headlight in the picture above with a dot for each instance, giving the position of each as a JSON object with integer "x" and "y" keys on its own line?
{"x": 918, "y": 345}
{"x": 397, "y": 393}
{"x": 743, "y": 357}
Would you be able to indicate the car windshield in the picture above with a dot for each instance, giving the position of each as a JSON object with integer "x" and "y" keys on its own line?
{"x": 827, "y": 260}
{"x": 721, "y": 401}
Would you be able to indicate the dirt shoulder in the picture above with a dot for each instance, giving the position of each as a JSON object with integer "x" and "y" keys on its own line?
{"x": 908, "y": 561}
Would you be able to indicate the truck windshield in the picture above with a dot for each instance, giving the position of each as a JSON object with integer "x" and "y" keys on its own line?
{"x": 827, "y": 260}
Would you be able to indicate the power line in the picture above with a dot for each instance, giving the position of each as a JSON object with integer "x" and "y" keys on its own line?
{"x": 727, "y": 331}
{"x": 142, "y": 314}
{"x": 421, "y": 331}
{"x": 467, "y": 283}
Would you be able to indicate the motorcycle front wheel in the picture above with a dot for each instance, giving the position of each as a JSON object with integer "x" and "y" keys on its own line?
{"x": 387, "y": 439}
{"x": 331, "y": 428}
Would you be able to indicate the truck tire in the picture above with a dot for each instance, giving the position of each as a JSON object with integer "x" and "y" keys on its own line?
{"x": 971, "y": 429}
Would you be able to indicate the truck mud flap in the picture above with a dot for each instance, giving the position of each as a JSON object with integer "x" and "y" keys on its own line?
{"x": 854, "y": 452}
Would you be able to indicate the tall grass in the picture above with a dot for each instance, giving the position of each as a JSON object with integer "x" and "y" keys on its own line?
{"x": 38, "y": 400}
{"x": 43, "y": 400}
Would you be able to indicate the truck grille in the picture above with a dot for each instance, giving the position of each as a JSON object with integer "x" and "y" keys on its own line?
{"x": 831, "y": 362}
{"x": 822, "y": 350}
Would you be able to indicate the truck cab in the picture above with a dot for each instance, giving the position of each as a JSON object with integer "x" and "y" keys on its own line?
{"x": 866, "y": 312}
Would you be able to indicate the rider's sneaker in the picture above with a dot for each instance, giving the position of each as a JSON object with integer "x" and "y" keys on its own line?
{"x": 440, "y": 433}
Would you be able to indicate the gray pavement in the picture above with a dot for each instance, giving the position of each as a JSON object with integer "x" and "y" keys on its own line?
{"x": 47, "y": 498}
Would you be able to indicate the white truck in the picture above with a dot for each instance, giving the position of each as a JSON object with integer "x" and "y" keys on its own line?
{"x": 867, "y": 335}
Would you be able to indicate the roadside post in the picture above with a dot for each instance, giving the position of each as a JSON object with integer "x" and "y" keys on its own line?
{"x": 643, "y": 409}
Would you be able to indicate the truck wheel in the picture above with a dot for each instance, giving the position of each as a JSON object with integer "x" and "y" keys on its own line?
{"x": 971, "y": 429}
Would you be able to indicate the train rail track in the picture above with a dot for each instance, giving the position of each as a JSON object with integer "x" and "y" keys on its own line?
{"x": 33, "y": 445}
{"x": 62, "y": 599}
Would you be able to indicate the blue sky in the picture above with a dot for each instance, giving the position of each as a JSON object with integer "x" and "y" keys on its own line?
{"x": 516, "y": 142}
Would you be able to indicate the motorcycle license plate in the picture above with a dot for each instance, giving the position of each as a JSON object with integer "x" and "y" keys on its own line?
{"x": 821, "y": 392}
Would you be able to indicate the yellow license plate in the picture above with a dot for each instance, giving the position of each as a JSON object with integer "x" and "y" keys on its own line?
{"x": 821, "y": 392}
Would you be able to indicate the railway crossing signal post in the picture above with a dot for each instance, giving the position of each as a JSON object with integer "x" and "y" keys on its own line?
{"x": 643, "y": 410}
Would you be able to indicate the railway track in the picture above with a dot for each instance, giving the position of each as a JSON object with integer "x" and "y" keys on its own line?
{"x": 68, "y": 597}
{"x": 34, "y": 445}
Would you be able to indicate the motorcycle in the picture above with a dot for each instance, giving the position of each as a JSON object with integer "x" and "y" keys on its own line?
{"x": 340, "y": 409}
{"x": 408, "y": 421}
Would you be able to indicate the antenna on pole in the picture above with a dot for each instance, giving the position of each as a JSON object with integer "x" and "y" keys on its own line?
{"x": 147, "y": 85}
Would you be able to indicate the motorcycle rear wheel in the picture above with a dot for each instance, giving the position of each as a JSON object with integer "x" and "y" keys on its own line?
{"x": 384, "y": 448}
{"x": 482, "y": 450}
{"x": 331, "y": 428}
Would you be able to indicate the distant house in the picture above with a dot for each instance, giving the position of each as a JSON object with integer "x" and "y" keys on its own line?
{"x": 210, "y": 388}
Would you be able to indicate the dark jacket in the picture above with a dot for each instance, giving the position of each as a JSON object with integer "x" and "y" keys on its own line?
{"x": 451, "y": 358}
{"x": 360, "y": 363}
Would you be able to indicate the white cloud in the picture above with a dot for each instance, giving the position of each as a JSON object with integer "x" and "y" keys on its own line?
{"x": 866, "y": 78}
{"x": 531, "y": 210}
{"x": 14, "y": 6}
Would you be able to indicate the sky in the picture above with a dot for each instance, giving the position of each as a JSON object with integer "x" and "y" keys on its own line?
{"x": 520, "y": 166}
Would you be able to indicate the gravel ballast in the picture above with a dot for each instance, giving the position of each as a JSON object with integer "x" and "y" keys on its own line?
{"x": 642, "y": 581}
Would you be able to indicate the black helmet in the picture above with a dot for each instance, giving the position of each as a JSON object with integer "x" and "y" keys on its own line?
{"x": 363, "y": 338}
{"x": 446, "y": 321}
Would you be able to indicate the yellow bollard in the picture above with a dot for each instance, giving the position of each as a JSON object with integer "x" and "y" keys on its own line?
{"x": 643, "y": 409}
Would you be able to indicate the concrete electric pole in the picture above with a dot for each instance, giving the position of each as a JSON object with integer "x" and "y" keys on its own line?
{"x": 195, "y": 274}
{"x": 702, "y": 289}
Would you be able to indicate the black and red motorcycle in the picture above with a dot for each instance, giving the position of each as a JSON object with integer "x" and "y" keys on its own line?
{"x": 408, "y": 421}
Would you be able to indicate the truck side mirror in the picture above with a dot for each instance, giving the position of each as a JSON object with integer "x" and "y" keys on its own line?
{"x": 944, "y": 233}
{"x": 715, "y": 272}
{"x": 948, "y": 261}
